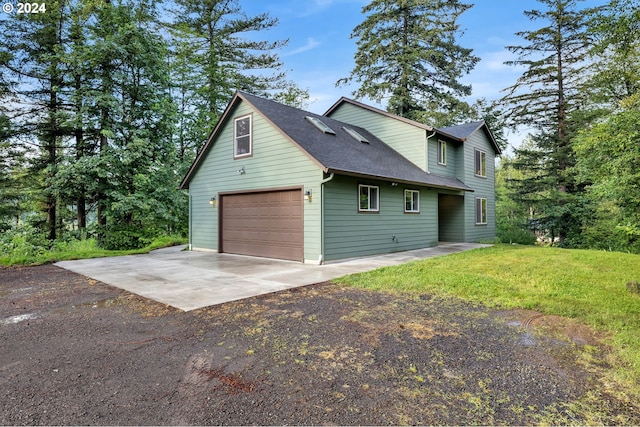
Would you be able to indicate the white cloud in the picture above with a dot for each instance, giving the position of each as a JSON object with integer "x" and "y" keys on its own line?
{"x": 311, "y": 44}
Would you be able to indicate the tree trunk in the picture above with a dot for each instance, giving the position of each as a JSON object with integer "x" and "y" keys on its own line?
{"x": 80, "y": 153}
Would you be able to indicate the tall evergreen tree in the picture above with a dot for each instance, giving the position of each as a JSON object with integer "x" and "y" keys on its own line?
{"x": 214, "y": 55}
{"x": 407, "y": 51}
{"x": 133, "y": 118}
{"x": 31, "y": 48}
{"x": 544, "y": 98}
{"x": 615, "y": 54}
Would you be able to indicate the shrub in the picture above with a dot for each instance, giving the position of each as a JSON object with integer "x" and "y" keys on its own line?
{"x": 125, "y": 236}
{"x": 515, "y": 235}
{"x": 24, "y": 241}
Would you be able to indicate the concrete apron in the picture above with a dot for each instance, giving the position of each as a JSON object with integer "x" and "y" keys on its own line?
{"x": 190, "y": 280}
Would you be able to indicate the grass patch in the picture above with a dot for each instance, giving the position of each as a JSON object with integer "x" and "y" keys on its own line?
{"x": 586, "y": 285}
{"x": 81, "y": 249}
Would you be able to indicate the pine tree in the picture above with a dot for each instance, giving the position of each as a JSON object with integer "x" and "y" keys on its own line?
{"x": 615, "y": 54}
{"x": 133, "y": 118}
{"x": 31, "y": 48}
{"x": 213, "y": 58}
{"x": 544, "y": 98}
{"x": 407, "y": 51}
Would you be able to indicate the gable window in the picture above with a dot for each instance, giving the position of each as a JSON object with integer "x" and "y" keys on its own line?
{"x": 481, "y": 211}
{"x": 242, "y": 138}
{"x": 411, "y": 201}
{"x": 442, "y": 152}
{"x": 368, "y": 198}
{"x": 481, "y": 163}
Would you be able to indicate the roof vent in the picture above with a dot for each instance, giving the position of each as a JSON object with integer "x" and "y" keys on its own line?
{"x": 355, "y": 135}
{"x": 320, "y": 125}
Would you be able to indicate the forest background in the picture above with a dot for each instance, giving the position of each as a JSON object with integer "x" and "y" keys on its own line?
{"x": 105, "y": 104}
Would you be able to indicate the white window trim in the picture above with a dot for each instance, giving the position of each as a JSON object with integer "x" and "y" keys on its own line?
{"x": 483, "y": 218}
{"x": 369, "y": 209}
{"x": 235, "y": 137}
{"x": 416, "y": 209}
{"x": 480, "y": 153}
{"x": 442, "y": 152}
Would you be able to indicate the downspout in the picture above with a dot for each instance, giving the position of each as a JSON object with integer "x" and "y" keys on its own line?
{"x": 426, "y": 149}
{"x": 322, "y": 183}
{"x": 190, "y": 220}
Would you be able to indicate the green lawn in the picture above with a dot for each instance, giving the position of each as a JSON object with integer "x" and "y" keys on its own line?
{"x": 589, "y": 286}
{"x": 79, "y": 249}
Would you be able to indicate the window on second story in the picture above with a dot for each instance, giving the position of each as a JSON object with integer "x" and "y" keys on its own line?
{"x": 442, "y": 152}
{"x": 481, "y": 163}
{"x": 368, "y": 200}
{"x": 242, "y": 138}
{"x": 411, "y": 201}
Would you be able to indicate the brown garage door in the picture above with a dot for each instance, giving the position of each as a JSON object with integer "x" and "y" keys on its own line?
{"x": 267, "y": 224}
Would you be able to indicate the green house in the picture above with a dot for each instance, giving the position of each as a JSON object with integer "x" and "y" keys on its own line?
{"x": 279, "y": 182}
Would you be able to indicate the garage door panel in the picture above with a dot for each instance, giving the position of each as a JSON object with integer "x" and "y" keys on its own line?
{"x": 268, "y": 224}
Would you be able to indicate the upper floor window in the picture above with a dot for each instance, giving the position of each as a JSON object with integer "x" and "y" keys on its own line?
{"x": 369, "y": 200}
{"x": 481, "y": 163}
{"x": 412, "y": 201}
{"x": 442, "y": 152}
{"x": 242, "y": 138}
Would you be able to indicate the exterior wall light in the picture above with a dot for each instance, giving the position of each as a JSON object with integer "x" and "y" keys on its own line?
{"x": 241, "y": 171}
{"x": 307, "y": 195}
{"x": 213, "y": 201}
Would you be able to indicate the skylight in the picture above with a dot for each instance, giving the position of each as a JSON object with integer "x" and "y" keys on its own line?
{"x": 320, "y": 125}
{"x": 355, "y": 135}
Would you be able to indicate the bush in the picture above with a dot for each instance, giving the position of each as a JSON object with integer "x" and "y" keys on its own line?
{"x": 515, "y": 235}
{"x": 119, "y": 237}
{"x": 24, "y": 241}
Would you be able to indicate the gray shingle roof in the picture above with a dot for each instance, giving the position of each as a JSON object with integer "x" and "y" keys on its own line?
{"x": 341, "y": 153}
{"x": 463, "y": 131}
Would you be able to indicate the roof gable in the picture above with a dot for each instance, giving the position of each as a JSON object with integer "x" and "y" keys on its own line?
{"x": 464, "y": 131}
{"x": 459, "y": 133}
{"x": 337, "y": 152}
{"x": 345, "y": 100}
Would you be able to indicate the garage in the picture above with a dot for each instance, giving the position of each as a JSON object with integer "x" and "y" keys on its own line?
{"x": 264, "y": 223}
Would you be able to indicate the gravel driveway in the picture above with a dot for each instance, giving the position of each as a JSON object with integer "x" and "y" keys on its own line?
{"x": 76, "y": 351}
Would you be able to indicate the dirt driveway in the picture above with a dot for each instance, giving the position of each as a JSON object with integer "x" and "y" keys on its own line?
{"x": 76, "y": 351}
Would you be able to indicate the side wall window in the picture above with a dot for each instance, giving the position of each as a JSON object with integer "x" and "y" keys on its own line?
{"x": 481, "y": 163}
{"x": 368, "y": 198}
{"x": 481, "y": 211}
{"x": 442, "y": 152}
{"x": 412, "y": 201}
{"x": 242, "y": 138}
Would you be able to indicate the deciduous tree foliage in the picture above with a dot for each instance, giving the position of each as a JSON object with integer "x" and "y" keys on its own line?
{"x": 407, "y": 51}
{"x": 609, "y": 158}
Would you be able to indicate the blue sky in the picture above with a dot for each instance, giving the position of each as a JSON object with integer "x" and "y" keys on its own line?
{"x": 320, "y": 50}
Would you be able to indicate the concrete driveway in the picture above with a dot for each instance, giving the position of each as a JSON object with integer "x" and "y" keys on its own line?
{"x": 189, "y": 280}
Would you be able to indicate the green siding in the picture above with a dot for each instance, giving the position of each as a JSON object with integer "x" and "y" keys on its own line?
{"x": 276, "y": 163}
{"x": 407, "y": 139}
{"x": 455, "y": 158}
{"x": 349, "y": 233}
{"x": 484, "y": 188}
